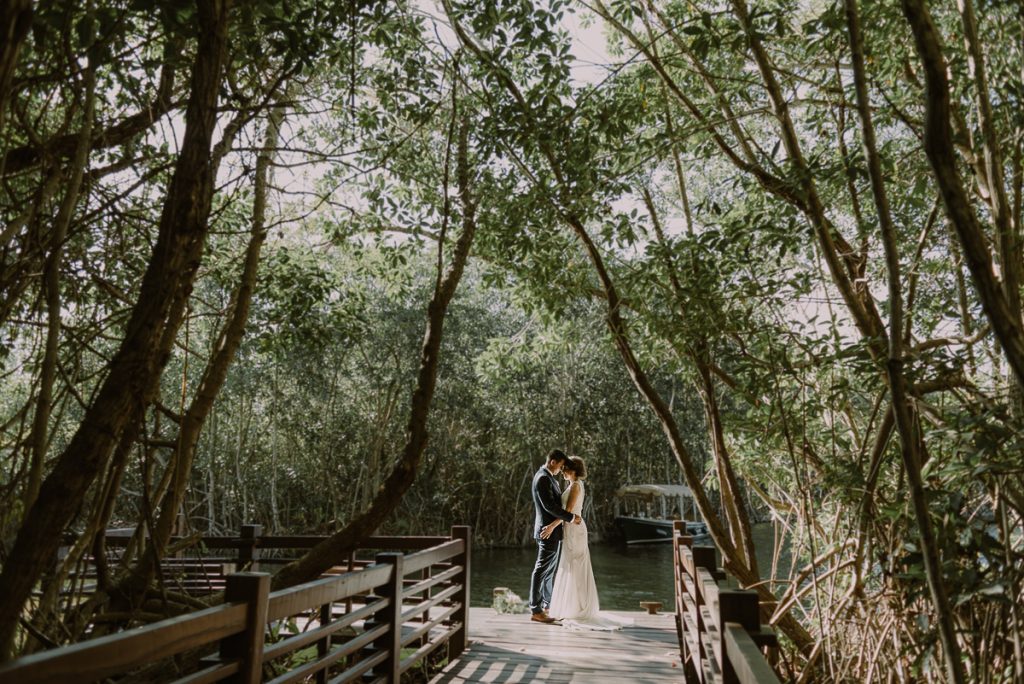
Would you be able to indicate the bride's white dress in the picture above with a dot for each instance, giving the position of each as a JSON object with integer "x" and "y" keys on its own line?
{"x": 574, "y": 596}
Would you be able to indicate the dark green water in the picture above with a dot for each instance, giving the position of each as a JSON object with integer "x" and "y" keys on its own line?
{"x": 624, "y": 575}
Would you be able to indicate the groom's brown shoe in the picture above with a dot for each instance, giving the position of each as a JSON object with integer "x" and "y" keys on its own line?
{"x": 543, "y": 618}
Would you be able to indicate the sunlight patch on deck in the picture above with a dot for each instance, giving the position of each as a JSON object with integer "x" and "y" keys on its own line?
{"x": 510, "y": 648}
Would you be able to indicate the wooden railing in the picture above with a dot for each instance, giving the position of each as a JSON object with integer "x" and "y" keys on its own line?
{"x": 370, "y": 624}
{"x": 719, "y": 626}
{"x": 202, "y": 563}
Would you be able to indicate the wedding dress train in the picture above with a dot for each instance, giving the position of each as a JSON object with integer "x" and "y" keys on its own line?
{"x": 574, "y": 596}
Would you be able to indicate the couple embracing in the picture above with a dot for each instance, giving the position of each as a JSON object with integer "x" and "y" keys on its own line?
{"x": 562, "y": 587}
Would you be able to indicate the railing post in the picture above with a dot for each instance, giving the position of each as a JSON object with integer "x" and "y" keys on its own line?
{"x": 248, "y": 554}
{"x": 740, "y": 606}
{"x": 460, "y": 639}
{"x": 251, "y": 588}
{"x": 390, "y": 615}
{"x": 425, "y": 574}
{"x": 704, "y": 557}
{"x": 681, "y": 540}
{"x": 351, "y": 567}
{"x": 324, "y": 645}
{"x": 678, "y": 527}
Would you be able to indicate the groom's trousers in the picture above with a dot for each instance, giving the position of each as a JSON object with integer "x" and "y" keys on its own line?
{"x": 543, "y": 577}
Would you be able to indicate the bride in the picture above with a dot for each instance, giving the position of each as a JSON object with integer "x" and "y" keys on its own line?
{"x": 574, "y": 596}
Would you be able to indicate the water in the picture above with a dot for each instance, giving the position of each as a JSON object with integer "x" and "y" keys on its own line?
{"x": 625, "y": 575}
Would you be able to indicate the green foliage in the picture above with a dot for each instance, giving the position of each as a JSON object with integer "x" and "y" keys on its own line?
{"x": 365, "y": 208}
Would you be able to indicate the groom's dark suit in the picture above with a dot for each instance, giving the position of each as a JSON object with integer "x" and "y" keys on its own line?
{"x": 547, "y": 502}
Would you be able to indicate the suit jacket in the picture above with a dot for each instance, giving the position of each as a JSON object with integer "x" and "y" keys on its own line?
{"x": 547, "y": 502}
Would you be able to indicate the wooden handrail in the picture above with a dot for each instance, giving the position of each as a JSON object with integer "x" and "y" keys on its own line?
{"x": 295, "y": 599}
{"x": 433, "y": 556}
{"x": 234, "y": 634}
{"x": 202, "y": 575}
{"x": 746, "y": 658}
{"x": 299, "y": 541}
{"x": 719, "y": 626}
{"x": 117, "y": 653}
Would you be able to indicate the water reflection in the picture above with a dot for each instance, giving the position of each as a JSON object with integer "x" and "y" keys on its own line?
{"x": 625, "y": 575}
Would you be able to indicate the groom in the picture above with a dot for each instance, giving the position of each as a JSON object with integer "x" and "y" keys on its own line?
{"x": 547, "y": 502}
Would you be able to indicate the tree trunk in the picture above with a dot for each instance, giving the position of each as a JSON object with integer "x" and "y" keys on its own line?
{"x": 23, "y": 158}
{"x": 617, "y": 328}
{"x": 134, "y": 372}
{"x": 731, "y": 495}
{"x": 15, "y": 21}
{"x": 1007, "y": 248}
{"x": 225, "y": 347}
{"x": 335, "y": 549}
{"x": 39, "y": 438}
{"x": 908, "y": 421}
{"x": 938, "y": 146}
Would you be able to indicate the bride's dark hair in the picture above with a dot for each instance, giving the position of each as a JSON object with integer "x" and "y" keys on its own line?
{"x": 577, "y": 466}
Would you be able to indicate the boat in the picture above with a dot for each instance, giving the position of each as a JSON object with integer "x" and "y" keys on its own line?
{"x": 645, "y": 513}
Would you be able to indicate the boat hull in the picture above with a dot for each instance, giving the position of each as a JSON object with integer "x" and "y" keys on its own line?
{"x": 654, "y": 530}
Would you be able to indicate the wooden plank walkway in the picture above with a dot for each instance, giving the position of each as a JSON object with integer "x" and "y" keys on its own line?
{"x": 510, "y": 648}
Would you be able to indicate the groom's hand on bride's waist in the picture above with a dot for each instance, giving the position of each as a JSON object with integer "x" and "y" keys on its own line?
{"x": 576, "y": 520}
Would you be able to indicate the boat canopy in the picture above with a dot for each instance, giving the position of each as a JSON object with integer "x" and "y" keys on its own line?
{"x": 653, "y": 491}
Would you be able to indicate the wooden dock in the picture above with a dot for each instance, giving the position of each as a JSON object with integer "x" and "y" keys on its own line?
{"x": 510, "y": 648}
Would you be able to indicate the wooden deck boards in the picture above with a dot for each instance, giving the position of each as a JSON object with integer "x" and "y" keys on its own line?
{"x": 510, "y": 648}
